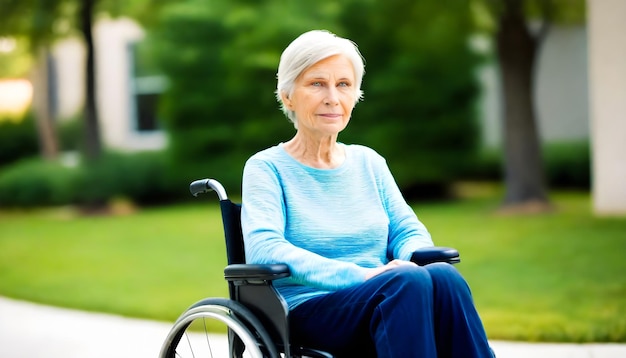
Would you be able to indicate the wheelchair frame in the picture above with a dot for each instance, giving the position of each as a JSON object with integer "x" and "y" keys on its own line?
{"x": 256, "y": 315}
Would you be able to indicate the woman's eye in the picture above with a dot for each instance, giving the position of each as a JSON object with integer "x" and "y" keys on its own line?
{"x": 317, "y": 84}
{"x": 344, "y": 84}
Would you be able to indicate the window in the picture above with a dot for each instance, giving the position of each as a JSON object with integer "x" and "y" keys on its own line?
{"x": 147, "y": 84}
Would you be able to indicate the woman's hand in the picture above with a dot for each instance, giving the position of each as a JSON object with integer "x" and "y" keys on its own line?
{"x": 395, "y": 263}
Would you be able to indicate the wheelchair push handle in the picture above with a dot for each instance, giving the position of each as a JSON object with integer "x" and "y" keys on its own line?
{"x": 206, "y": 185}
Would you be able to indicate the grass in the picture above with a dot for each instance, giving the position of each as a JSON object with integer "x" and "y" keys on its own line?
{"x": 152, "y": 264}
{"x": 551, "y": 277}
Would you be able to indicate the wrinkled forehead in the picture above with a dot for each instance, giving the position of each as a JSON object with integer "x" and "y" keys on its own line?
{"x": 332, "y": 67}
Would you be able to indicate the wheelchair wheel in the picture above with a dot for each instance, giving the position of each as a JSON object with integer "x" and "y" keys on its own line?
{"x": 246, "y": 336}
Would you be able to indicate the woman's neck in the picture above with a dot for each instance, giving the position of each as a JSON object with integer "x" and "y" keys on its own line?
{"x": 321, "y": 153}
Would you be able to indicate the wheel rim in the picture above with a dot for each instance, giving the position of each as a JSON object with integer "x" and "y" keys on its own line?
{"x": 181, "y": 343}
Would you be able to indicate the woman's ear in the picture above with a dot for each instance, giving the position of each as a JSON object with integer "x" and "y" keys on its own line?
{"x": 286, "y": 101}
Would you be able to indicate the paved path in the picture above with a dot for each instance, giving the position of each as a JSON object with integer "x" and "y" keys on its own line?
{"x": 30, "y": 330}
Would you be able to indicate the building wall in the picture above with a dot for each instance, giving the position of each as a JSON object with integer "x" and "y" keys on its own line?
{"x": 69, "y": 60}
{"x": 114, "y": 85}
{"x": 607, "y": 78}
{"x": 561, "y": 90}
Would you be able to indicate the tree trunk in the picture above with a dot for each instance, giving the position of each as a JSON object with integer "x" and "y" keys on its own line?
{"x": 48, "y": 143}
{"x": 517, "y": 48}
{"x": 93, "y": 147}
{"x": 95, "y": 201}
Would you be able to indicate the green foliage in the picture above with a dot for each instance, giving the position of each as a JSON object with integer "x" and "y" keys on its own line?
{"x": 567, "y": 164}
{"x": 18, "y": 139}
{"x": 564, "y": 12}
{"x": 139, "y": 177}
{"x": 43, "y": 21}
{"x": 221, "y": 62}
{"x": 37, "y": 20}
{"x": 35, "y": 182}
{"x": 70, "y": 134}
{"x": 15, "y": 60}
{"x": 420, "y": 90}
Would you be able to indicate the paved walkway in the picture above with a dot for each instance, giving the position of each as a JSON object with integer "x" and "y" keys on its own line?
{"x": 30, "y": 330}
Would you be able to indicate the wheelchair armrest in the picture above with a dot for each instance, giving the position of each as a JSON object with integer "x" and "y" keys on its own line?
{"x": 255, "y": 272}
{"x": 428, "y": 255}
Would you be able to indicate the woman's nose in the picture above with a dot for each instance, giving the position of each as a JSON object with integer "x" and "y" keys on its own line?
{"x": 332, "y": 96}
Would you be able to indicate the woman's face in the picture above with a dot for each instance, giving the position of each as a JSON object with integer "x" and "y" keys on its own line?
{"x": 324, "y": 96}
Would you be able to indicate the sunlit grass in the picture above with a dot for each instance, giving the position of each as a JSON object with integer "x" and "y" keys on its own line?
{"x": 551, "y": 277}
{"x": 151, "y": 264}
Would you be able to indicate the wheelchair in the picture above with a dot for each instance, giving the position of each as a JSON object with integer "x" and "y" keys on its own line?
{"x": 255, "y": 316}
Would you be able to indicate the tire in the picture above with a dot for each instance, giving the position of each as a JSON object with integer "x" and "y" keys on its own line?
{"x": 246, "y": 337}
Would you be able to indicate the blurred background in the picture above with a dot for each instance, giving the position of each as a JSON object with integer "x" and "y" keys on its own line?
{"x": 503, "y": 122}
{"x": 107, "y": 95}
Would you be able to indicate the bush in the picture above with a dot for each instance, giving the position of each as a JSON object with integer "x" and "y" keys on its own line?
{"x": 567, "y": 165}
{"x": 143, "y": 177}
{"x": 138, "y": 177}
{"x": 70, "y": 133}
{"x": 486, "y": 166}
{"x": 35, "y": 182}
{"x": 18, "y": 139}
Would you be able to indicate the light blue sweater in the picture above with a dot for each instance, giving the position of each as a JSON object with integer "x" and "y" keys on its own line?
{"x": 327, "y": 225}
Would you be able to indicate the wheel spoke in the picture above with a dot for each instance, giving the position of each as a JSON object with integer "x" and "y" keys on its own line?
{"x": 192, "y": 335}
{"x": 190, "y": 346}
{"x": 206, "y": 334}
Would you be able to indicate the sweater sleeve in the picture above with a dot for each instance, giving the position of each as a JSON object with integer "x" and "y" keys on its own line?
{"x": 406, "y": 232}
{"x": 263, "y": 219}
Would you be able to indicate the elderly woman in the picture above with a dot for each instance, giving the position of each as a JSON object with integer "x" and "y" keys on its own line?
{"x": 333, "y": 213}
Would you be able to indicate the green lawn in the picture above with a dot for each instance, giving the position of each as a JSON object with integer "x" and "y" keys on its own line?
{"x": 553, "y": 277}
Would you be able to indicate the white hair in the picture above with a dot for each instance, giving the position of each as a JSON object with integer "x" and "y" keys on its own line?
{"x": 307, "y": 50}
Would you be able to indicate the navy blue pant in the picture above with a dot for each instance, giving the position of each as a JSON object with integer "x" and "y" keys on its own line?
{"x": 408, "y": 311}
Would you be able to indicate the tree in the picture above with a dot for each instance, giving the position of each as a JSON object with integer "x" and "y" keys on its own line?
{"x": 517, "y": 47}
{"x": 420, "y": 89}
{"x": 517, "y": 53}
{"x": 221, "y": 61}
{"x": 32, "y": 20}
{"x": 93, "y": 145}
{"x": 44, "y": 21}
